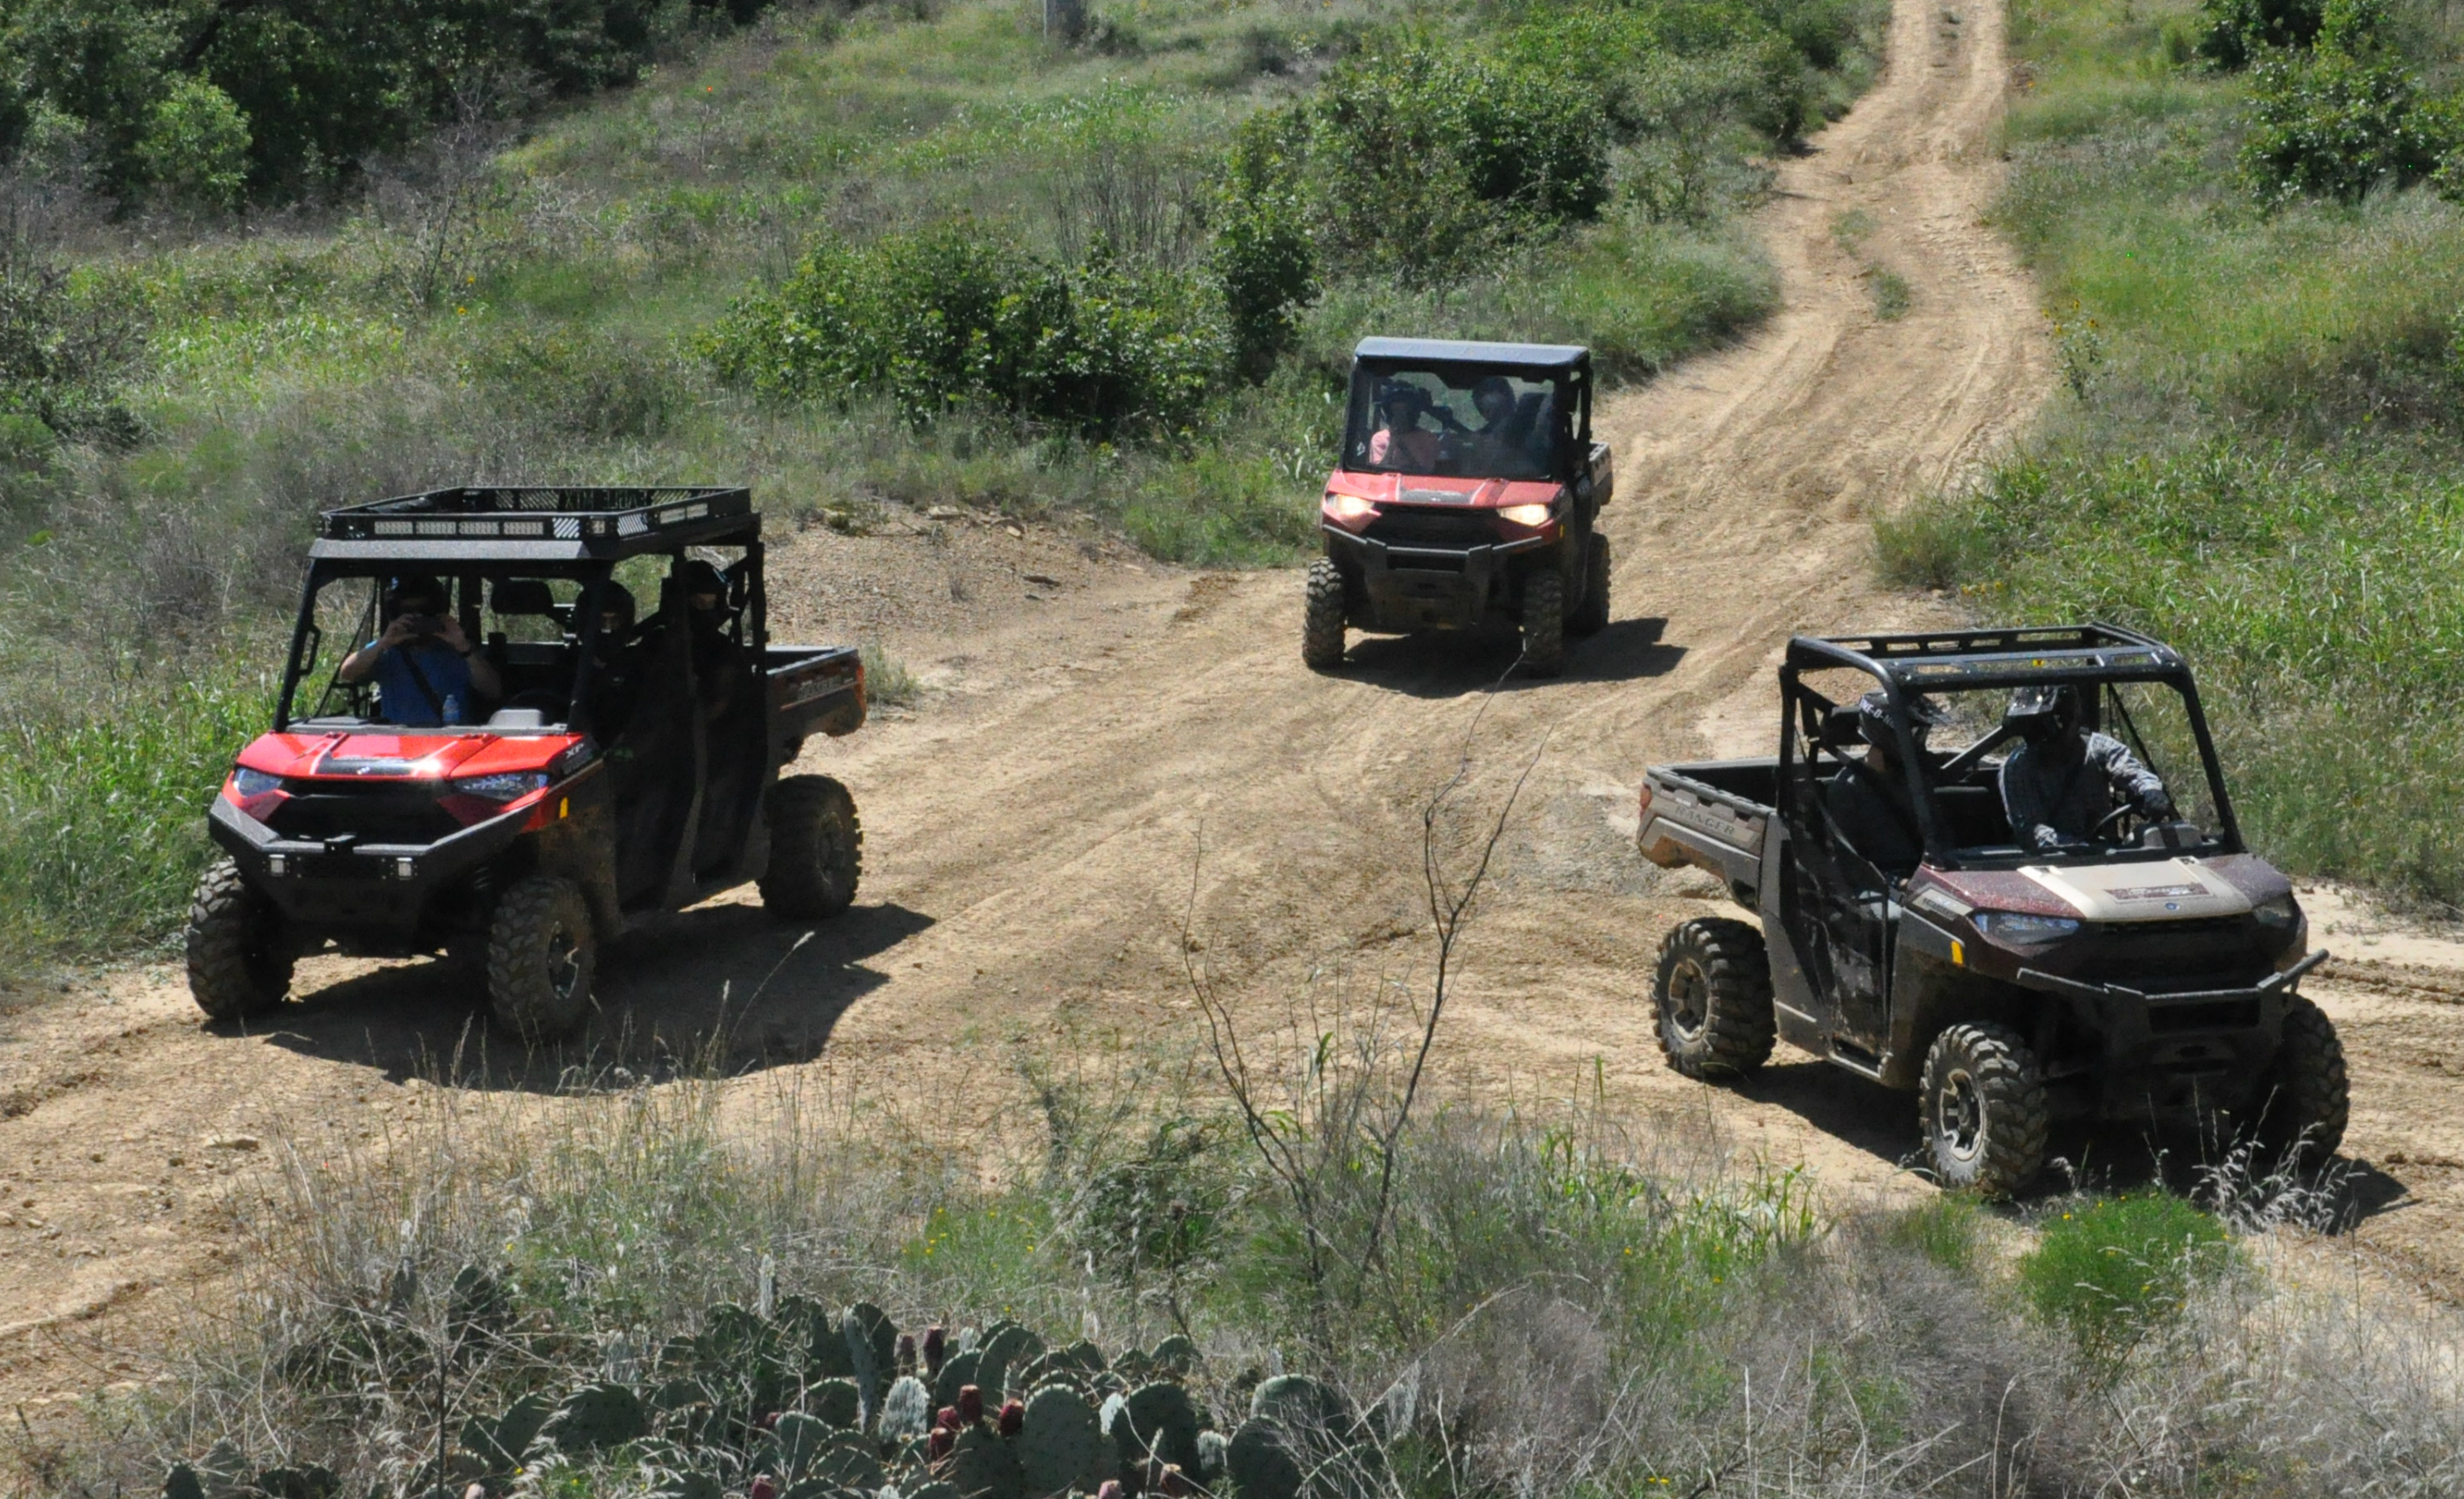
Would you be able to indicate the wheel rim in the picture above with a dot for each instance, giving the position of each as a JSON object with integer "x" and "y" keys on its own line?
{"x": 564, "y": 964}
{"x": 1959, "y": 1116}
{"x": 1688, "y": 996}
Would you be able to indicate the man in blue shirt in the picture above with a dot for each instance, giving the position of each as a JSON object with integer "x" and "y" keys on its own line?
{"x": 425, "y": 668}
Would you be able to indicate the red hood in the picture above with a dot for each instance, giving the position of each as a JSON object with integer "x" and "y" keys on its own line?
{"x": 406, "y": 754}
{"x": 1429, "y": 489}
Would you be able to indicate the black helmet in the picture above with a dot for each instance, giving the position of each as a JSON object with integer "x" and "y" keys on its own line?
{"x": 700, "y": 577}
{"x": 413, "y": 588}
{"x": 614, "y": 597}
{"x": 1873, "y": 719}
{"x": 2041, "y": 715}
{"x": 1390, "y": 391}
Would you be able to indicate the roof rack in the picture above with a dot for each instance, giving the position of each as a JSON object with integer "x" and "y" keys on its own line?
{"x": 1935, "y": 658}
{"x": 1457, "y": 351}
{"x": 536, "y": 522}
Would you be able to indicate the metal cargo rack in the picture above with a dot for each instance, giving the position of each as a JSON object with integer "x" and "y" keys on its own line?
{"x": 537, "y": 520}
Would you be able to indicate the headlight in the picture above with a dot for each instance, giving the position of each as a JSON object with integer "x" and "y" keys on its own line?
{"x": 1350, "y": 509}
{"x": 2023, "y": 930}
{"x": 2279, "y": 913}
{"x": 1525, "y": 514}
{"x": 506, "y": 787}
{"x": 246, "y": 783}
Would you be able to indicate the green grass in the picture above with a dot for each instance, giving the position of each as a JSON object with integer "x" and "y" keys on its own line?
{"x": 2256, "y": 452}
{"x": 2113, "y": 1273}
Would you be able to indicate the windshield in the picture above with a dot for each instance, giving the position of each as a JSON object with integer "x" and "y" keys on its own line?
{"x": 500, "y": 649}
{"x": 1456, "y": 421}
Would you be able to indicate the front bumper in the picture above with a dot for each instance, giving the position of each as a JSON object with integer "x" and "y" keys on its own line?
{"x": 2177, "y": 1054}
{"x": 369, "y": 895}
{"x": 1407, "y": 587}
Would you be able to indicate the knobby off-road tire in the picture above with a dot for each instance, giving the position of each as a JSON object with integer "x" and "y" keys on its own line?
{"x": 1543, "y": 623}
{"x": 1322, "y": 629}
{"x": 1712, "y": 990}
{"x": 2307, "y": 1098}
{"x": 1592, "y": 616}
{"x": 816, "y": 849}
{"x": 239, "y": 961}
{"x": 1983, "y": 1107}
{"x": 542, "y": 956}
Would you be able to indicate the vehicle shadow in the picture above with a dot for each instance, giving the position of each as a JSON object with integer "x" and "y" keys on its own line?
{"x": 718, "y": 990}
{"x": 1457, "y": 663}
{"x": 1840, "y": 1103}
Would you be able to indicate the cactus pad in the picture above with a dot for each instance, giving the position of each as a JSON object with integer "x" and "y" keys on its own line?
{"x": 982, "y": 1466}
{"x": 596, "y": 1417}
{"x": 1211, "y": 1445}
{"x": 498, "y": 1441}
{"x": 958, "y": 1372}
{"x": 1301, "y": 1405}
{"x": 836, "y": 1402}
{"x": 1164, "y": 1424}
{"x": 906, "y": 1410}
{"x": 1061, "y": 1447}
{"x": 1260, "y": 1465}
{"x": 871, "y": 1343}
{"x": 1175, "y": 1355}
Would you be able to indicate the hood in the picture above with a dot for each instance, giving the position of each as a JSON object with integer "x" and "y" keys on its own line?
{"x": 412, "y": 755}
{"x": 2175, "y": 890}
{"x": 1421, "y": 489}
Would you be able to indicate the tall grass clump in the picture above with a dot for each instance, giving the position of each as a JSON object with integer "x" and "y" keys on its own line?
{"x": 2255, "y": 450}
{"x": 2114, "y": 1271}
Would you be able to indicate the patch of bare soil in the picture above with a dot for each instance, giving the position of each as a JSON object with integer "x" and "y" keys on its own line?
{"x": 1107, "y": 748}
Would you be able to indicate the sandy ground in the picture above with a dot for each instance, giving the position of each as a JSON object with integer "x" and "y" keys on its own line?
{"x": 1110, "y": 749}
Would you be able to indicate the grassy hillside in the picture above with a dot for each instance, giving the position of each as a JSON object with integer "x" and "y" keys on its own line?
{"x": 1209, "y": 200}
{"x": 2252, "y": 281}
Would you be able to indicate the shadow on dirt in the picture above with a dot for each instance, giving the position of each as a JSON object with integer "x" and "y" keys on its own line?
{"x": 1456, "y": 664}
{"x": 721, "y": 989}
{"x": 1840, "y": 1103}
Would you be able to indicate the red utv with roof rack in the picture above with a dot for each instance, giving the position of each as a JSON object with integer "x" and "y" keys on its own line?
{"x": 1466, "y": 495}
{"x": 622, "y": 771}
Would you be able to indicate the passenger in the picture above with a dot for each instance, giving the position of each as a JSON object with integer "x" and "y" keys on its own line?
{"x": 2065, "y": 779}
{"x": 615, "y": 663}
{"x": 425, "y": 667}
{"x": 1869, "y": 800}
{"x": 1400, "y": 441}
{"x": 716, "y": 658}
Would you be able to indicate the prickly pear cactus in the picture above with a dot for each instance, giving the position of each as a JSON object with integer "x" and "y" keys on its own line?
{"x": 958, "y": 1372}
{"x": 934, "y": 1490}
{"x": 596, "y": 1417}
{"x": 1302, "y": 1405}
{"x": 905, "y": 1411}
{"x": 1174, "y": 1356}
{"x": 836, "y": 1402}
{"x": 1211, "y": 1447}
{"x": 182, "y": 1483}
{"x": 799, "y": 1438}
{"x": 498, "y": 1441}
{"x": 687, "y": 1482}
{"x": 810, "y": 1332}
{"x": 871, "y": 1344}
{"x": 982, "y": 1466}
{"x": 846, "y": 1467}
{"x": 1008, "y": 1347}
{"x": 1164, "y": 1424}
{"x": 1060, "y": 1446}
{"x": 1260, "y": 1465}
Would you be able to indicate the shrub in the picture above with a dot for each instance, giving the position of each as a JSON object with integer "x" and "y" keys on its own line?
{"x": 2336, "y": 126}
{"x": 950, "y": 314}
{"x": 2110, "y": 1272}
{"x": 2237, "y": 32}
{"x": 1264, "y": 258}
{"x": 196, "y": 146}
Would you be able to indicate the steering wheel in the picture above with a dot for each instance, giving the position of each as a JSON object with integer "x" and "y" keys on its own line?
{"x": 2107, "y": 824}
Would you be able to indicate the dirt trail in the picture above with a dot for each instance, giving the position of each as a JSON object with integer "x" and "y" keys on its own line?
{"x": 1108, "y": 747}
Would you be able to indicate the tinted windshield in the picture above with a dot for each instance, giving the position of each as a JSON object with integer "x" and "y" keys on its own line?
{"x": 1456, "y": 421}
{"x": 520, "y": 629}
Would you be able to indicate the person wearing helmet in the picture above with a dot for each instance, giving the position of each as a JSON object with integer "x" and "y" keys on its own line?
{"x": 2065, "y": 779}
{"x": 425, "y": 667}
{"x": 1869, "y": 800}
{"x": 1400, "y": 441}
{"x": 615, "y": 663}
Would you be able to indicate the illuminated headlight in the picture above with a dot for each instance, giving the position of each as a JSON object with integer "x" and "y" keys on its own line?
{"x": 2020, "y": 930}
{"x": 246, "y": 783}
{"x": 1350, "y": 509}
{"x": 506, "y": 787}
{"x": 2278, "y": 913}
{"x": 1525, "y": 514}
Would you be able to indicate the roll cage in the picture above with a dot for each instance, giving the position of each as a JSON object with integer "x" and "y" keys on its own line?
{"x": 1460, "y": 363}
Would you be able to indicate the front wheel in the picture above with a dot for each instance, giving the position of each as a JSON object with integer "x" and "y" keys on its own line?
{"x": 1592, "y": 615}
{"x": 1983, "y": 1104}
{"x": 1543, "y": 623}
{"x": 239, "y": 963}
{"x": 816, "y": 848}
{"x": 2306, "y": 1100}
{"x": 1322, "y": 628}
{"x": 1713, "y": 993}
{"x": 542, "y": 956}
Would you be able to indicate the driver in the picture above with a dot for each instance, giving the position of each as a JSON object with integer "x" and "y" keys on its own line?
{"x": 1498, "y": 445}
{"x": 2065, "y": 779}
{"x": 425, "y": 668}
{"x": 1400, "y": 441}
{"x": 1869, "y": 800}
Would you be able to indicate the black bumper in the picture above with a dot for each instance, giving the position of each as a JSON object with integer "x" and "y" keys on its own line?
{"x": 1406, "y": 588}
{"x": 372, "y": 896}
{"x": 2175, "y": 1055}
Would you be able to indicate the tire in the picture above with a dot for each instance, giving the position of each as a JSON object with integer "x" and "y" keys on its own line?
{"x": 1592, "y": 615}
{"x": 1712, "y": 992}
{"x": 1543, "y": 623}
{"x": 542, "y": 956}
{"x": 2306, "y": 1100}
{"x": 816, "y": 848}
{"x": 1983, "y": 1107}
{"x": 239, "y": 961}
{"x": 1322, "y": 629}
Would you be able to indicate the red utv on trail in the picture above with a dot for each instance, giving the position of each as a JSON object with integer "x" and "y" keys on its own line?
{"x": 1466, "y": 496}
{"x": 504, "y": 762}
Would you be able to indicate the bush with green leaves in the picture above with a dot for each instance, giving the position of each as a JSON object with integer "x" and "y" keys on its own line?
{"x": 2235, "y": 33}
{"x": 2110, "y": 1273}
{"x": 950, "y": 314}
{"x": 196, "y": 146}
{"x": 2333, "y": 124}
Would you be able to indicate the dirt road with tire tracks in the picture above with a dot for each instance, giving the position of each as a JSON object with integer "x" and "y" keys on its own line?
{"x": 1106, "y": 749}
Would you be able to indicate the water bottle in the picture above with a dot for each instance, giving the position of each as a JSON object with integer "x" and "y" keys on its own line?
{"x": 453, "y": 707}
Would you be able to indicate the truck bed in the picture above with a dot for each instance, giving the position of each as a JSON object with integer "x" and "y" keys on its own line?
{"x": 815, "y": 690}
{"x": 1710, "y": 815}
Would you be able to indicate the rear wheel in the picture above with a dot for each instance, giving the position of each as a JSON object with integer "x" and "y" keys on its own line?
{"x": 542, "y": 956}
{"x": 239, "y": 960}
{"x": 816, "y": 848}
{"x": 1713, "y": 992}
{"x": 1983, "y": 1104}
{"x": 1543, "y": 623}
{"x": 2306, "y": 1098}
{"x": 1322, "y": 629}
{"x": 1592, "y": 615}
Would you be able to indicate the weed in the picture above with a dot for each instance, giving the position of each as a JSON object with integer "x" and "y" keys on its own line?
{"x": 887, "y": 682}
{"x": 1890, "y": 291}
{"x": 2112, "y": 1273}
